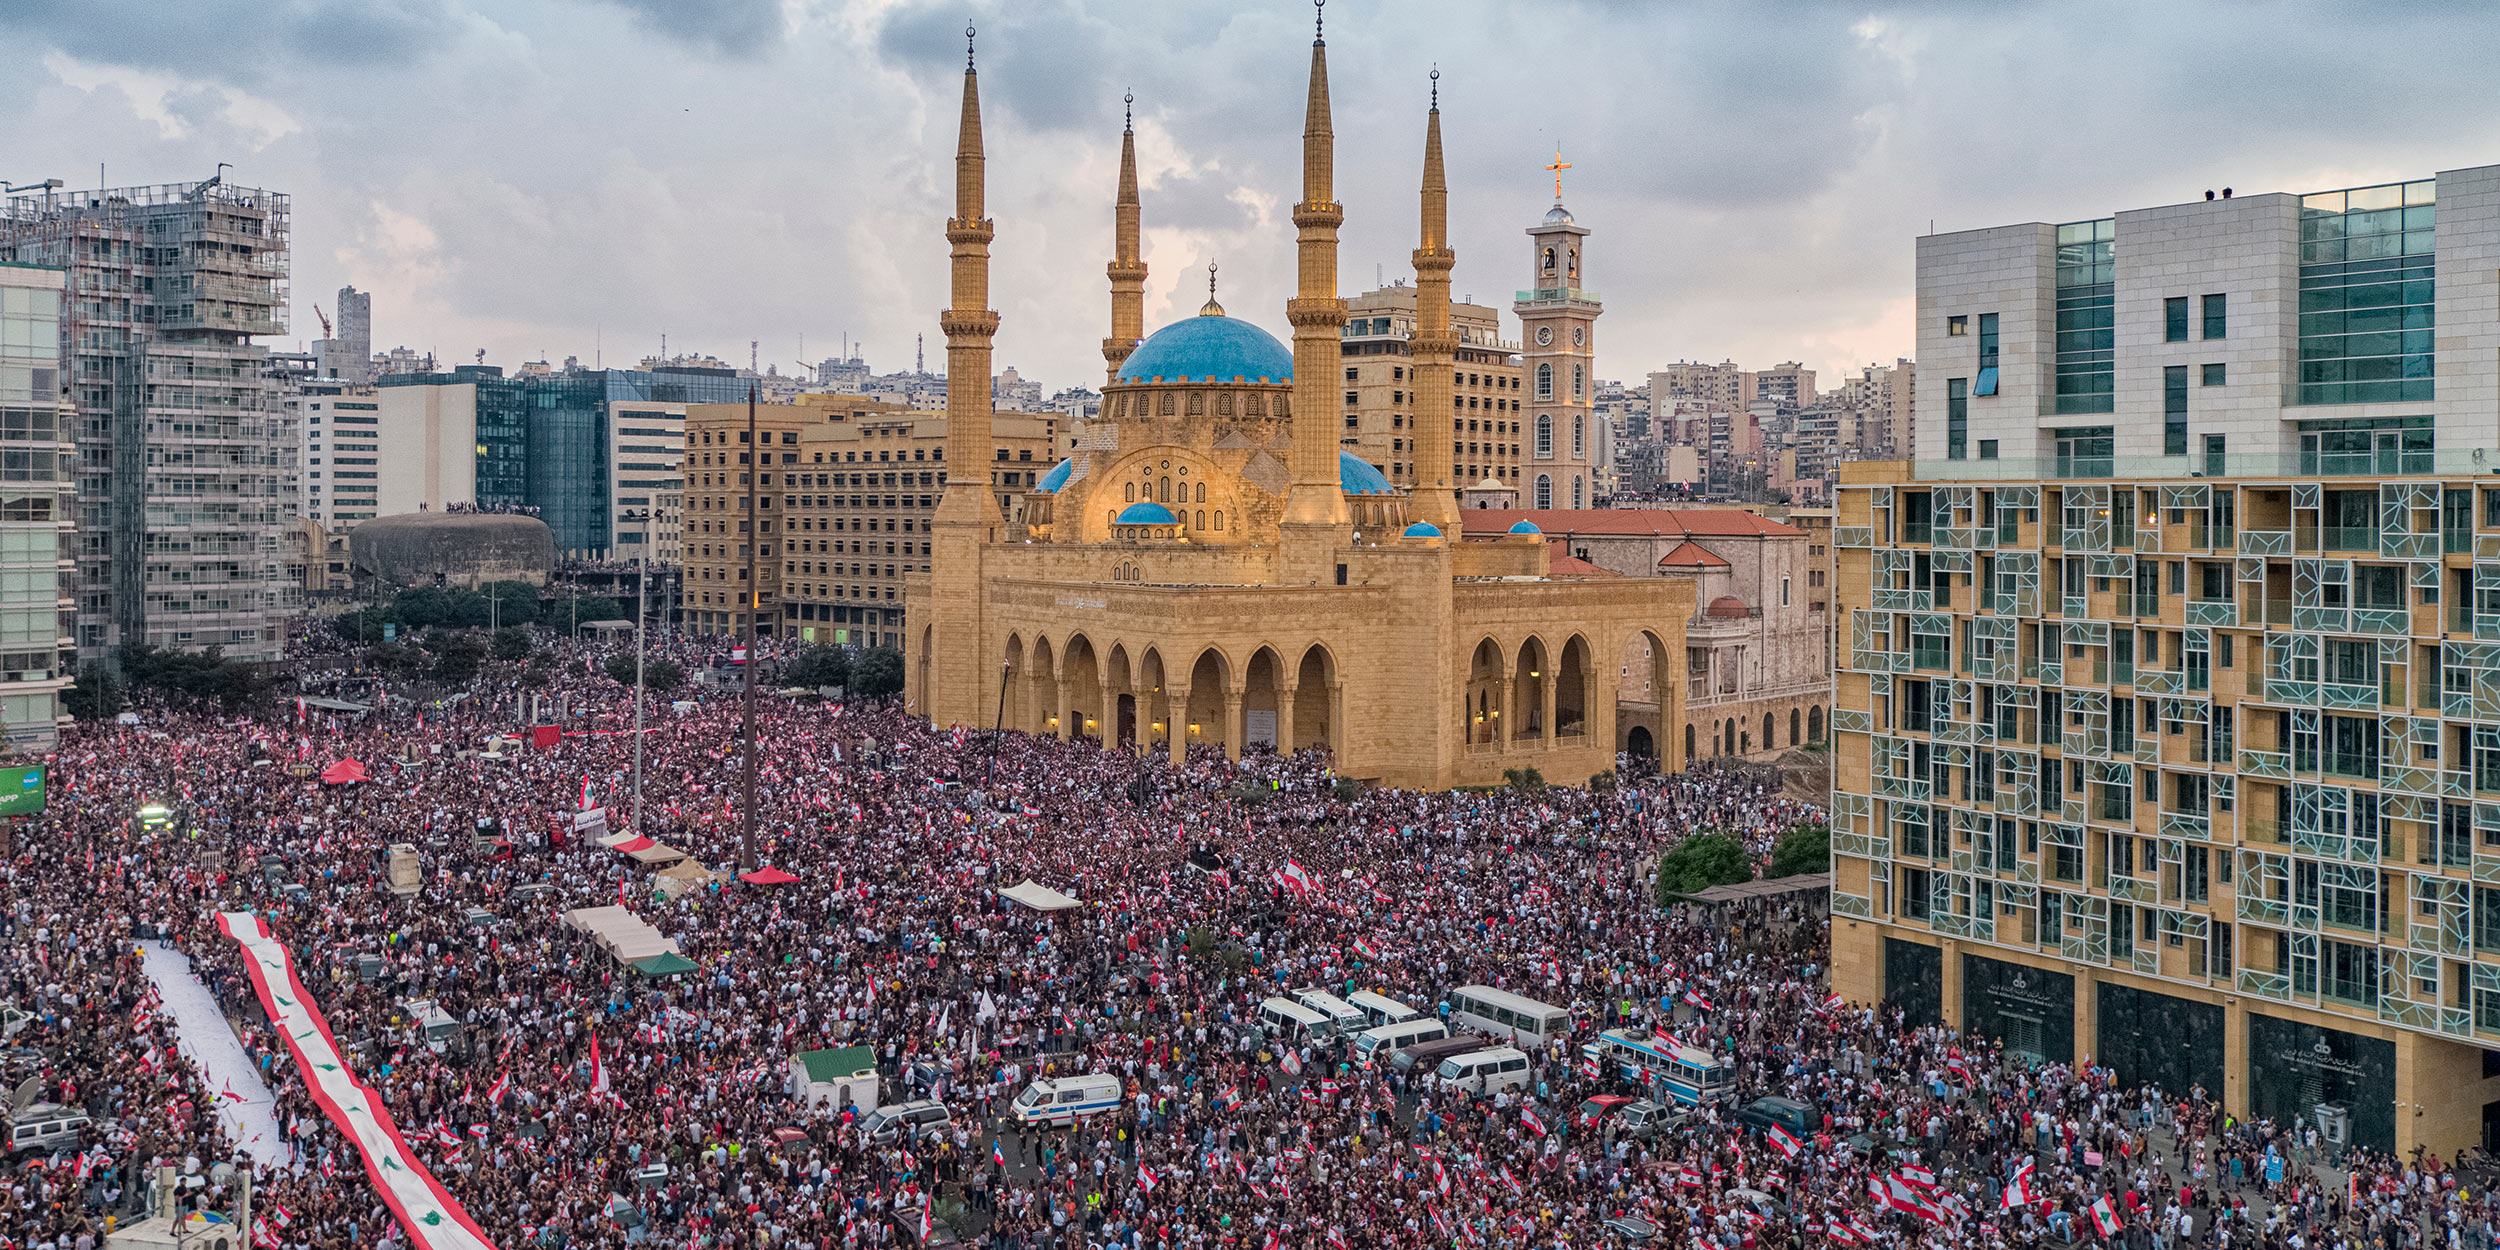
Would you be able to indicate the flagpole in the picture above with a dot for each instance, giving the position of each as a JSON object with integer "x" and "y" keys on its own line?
{"x": 755, "y": 527}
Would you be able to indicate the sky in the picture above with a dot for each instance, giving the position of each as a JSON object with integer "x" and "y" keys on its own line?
{"x": 552, "y": 178}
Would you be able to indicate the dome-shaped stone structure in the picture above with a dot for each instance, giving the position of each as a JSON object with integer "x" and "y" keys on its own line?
{"x": 465, "y": 549}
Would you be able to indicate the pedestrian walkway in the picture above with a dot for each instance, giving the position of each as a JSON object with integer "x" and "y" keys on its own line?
{"x": 244, "y": 1102}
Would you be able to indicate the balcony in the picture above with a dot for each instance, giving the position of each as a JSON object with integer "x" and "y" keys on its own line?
{"x": 1557, "y": 295}
{"x": 2223, "y": 612}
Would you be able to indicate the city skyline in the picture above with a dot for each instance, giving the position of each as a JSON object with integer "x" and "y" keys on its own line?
{"x": 733, "y": 171}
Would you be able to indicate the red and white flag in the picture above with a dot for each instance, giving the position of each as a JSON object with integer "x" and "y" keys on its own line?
{"x": 1296, "y": 878}
{"x": 1146, "y": 1178}
{"x": 2105, "y": 1217}
{"x": 1786, "y": 1141}
{"x": 598, "y": 1071}
{"x": 494, "y": 1094}
{"x": 2018, "y": 1194}
{"x": 1527, "y": 1118}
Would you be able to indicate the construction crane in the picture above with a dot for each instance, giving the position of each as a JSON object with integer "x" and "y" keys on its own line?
{"x": 325, "y": 322}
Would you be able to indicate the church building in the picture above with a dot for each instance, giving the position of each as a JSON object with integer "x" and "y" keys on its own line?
{"x": 1211, "y": 568}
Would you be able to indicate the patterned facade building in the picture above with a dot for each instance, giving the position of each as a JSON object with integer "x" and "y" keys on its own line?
{"x": 2167, "y": 716}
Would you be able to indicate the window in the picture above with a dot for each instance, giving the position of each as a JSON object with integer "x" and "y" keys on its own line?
{"x": 2214, "y": 462}
{"x": 1544, "y": 490}
{"x": 2174, "y": 319}
{"x": 1544, "y": 435}
{"x": 1956, "y": 417}
{"x": 2367, "y": 293}
{"x": 1987, "y": 449}
{"x": 2174, "y": 388}
{"x": 1579, "y": 432}
{"x": 1545, "y": 381}
{"x": 1957, "y": 326}
{"x": 2086, "y": 335}
{"x": 2217, "y": 316}
{"x": 1579, "y": 382}
{"x": 1987, "y": 383}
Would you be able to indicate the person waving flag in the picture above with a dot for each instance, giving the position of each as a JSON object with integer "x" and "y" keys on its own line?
{"x": 1786, "y": 1141}
{"x": 1146, "y": 1179}
{"x": 998, "y": 1155}
{"x": 1528, "y": 1120}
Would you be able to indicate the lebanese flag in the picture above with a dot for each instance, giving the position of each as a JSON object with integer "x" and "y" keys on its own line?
{"x": 495, "y": 1093}
{"x": 1699, "y": 1003}
{"x": 2105, "y": 1217}
{"x": 1336, "y": 1237}
{"x": 1291, "y": 1063}
{"x": 1688, "y": 1178}
{"x": 2018, "y": 1194}
{"x": 1864, "y": 1232}
{"x": 1511, "y": 1179}
{"x": 1146, "y": 1179}
{"x": 1230, "y": 1098}
{"x": 1922, "y": 1177}
{"x": 928, "y": 1219}
{"x": 1297, "y": 878}
{"x": 1527, "y": 1118}
{"x": 1787, "y": 1142}
{"x": 1275, "y": 1240}
{"x": 586, "y": 803}
{"x": 598, "y": 1071}
{"x": 1840, "y": 1233}
{"x": 1440, "y": 1177}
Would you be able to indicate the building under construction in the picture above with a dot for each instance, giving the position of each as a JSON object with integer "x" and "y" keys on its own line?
{"x": 180, "y": 486}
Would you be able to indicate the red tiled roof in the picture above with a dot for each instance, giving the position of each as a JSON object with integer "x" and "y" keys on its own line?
{"x": 1692, "y": 522}
{"x": 1689, "y": 555}
{"x": 1562, "y": 565}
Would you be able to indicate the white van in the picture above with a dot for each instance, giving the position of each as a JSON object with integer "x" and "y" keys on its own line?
{"x": 1294, "y": 1022}
{"x": 1507, "y": 1016}
{"x": 47, "y": 1128}
{"x": 1377, "y": 1041}
{"x": 1347, "y": 1017}
{"x": 1483, "y": 1071}
{"x": 1380, "y": 1008}
{"x": 1062, "y": 1100}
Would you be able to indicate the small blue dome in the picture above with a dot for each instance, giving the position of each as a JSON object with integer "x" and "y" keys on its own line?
{"x": 1145, "y": 514}
{"x": 1209, "y": 348}
{"x": 1423, "y": 529}
{"x": 1356, "y": 476}
{"x": 1525, "y": 527}
{"x": 1057, "y": 477}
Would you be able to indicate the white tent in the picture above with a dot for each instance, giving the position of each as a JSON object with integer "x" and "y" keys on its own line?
{"x": 621, "y": 933}
{"x": 1038, "y": 897}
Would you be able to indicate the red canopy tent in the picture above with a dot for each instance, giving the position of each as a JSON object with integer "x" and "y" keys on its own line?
{"x": 768, "y": 876}
{"x": 343, "y": 772}
{"x": 631, "y": 845}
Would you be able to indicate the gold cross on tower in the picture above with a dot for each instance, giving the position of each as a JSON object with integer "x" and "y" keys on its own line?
{"x": 1556, "y": 169}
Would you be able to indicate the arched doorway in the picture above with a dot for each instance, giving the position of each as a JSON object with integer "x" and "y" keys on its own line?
{"x": 1792, "y": 727}
{"x": 1767, "y": 741}
{"x": 1814, "y": 724}
{"x": 1258, "y": 699}
{"x": 1081, "y": 676}
{"x": 1210, "y": 679}
{"x": 1688, "y": 746}
{"x": 1314, "y": 710}
{"x": 1571, "y": 689}
{"x": 1643, "y": 751}
{"x": 1530, "y": 676}
{"x": 1483, "y": 709}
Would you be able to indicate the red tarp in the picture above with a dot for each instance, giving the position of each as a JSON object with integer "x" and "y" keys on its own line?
{"x": 545, "y": 736}
{"x": 345, "y": 771}
{"x": 631, "y": 845}
{"x": 768, "y": 876}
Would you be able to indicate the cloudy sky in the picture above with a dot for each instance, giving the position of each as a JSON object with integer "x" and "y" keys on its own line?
{"x": 558, "y": 177}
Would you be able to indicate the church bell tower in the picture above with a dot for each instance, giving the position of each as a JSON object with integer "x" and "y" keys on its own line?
{"x": 1558, "y": 323}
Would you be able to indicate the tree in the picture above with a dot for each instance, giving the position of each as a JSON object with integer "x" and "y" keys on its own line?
{"x": 511, "y": 644}
{"x": 1524, "y": 780}
{"x": 393, "y": 657}
{"x": 877, "y": 674}
{"x": 457, "y": 654}
{"x": 573, "y": 616}
{"x": 201, "y": 675}
{"x": 513, "y": 603}
{"x": 820, "y": 666}
{"x": 96, "y": 695}
{"x": 1806, "y": 848}
{"x": 364, "y": 625}
{"x": 1700, "y": 862}
{"x": 660, "y": 676}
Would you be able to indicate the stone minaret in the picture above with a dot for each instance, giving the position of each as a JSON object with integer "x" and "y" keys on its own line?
{"x": 1435, "y": 345}
{"x": 1127, "y": 271}
{"x": 1315, "y": 512}
{"x": 955, "y": 661}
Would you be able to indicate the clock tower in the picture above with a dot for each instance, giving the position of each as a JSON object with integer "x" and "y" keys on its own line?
{"x": 1558, "y": 323}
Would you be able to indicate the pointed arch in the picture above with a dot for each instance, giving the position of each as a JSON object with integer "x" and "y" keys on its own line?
{"x": 1315, "y": 699}
{"x": 1480, "y": 715}
{"x": 1532, "y": 677}
{"x": 1572, "y": 680}
{"x": 1814, "y": 723}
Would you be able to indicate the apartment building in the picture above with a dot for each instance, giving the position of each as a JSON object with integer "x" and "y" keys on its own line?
{"x": 858, "y": 524}
{"x": 181, "y": 478}
{"x": 37, "y": 614}
{"x": 1379, "y": 388}
{"x": 2167, "y": 719}
{"x": 725, "y": 467}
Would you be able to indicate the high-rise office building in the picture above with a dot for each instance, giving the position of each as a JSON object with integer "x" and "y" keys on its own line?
{"x": 2168, "y": 708}
{"x": 36, "y": 647}
{"x": 181, "y": 485}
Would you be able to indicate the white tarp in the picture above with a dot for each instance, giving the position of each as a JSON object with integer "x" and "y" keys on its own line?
{"x": 200, "y": 1031}
{"x": 1038, "y": 897}
{"x": 622, "y": 933}
{"x": 430, "y": 1216}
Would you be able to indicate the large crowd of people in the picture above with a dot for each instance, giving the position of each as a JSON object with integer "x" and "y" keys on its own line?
{"x": 1204, "y": 889}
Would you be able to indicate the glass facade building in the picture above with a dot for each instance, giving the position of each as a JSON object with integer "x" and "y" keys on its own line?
{"x": 36, "y": 647}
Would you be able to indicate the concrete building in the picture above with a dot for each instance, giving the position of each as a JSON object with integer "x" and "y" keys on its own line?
{"x": 1724, "y": 385}
{"x": 852, "y": 537}
{"x": 348, "y": 353}
{"x": 1380, "y": 412}
{"x": 181, "y": 477}
{"x": 1558, "y": 327}
{"x": 1213, "y": 569}
{"x": 722, "y": 463}
{"x": 339, "y": 432}
{"x": 452, "y": 549}
{"x": 2165, "y": 722}
{"x": 37, "y": 614}
{"x": 1789, "y": 385}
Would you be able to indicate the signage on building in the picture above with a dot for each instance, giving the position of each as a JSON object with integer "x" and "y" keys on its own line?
{"x": 21, "y": 791}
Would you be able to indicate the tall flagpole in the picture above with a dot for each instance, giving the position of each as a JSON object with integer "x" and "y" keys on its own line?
{"x": 755, "y": 535}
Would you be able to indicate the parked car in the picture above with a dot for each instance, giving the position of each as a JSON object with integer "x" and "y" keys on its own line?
{"x": 1790, "y": 1114}
{"x": 907, "y": 1121}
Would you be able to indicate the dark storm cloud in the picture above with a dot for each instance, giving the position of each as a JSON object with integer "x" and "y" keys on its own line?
{"x": 241, "y": 41}
{"x": 727, "y": 26}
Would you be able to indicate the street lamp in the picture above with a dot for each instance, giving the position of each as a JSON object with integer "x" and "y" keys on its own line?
{"x": 642, "y": 579}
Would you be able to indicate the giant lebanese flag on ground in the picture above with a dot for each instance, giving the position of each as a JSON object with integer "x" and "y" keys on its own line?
{"x": 432, "y": 1219}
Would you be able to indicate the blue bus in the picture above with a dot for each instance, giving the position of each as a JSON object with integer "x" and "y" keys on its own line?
{"x": 1689, "y": 1074}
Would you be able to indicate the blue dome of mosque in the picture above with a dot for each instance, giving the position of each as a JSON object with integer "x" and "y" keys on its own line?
{"x": 1357, "y": 477}
{"x": 1209, "y": 348}
{"x": 1423, "y": 529}
{"x": 1145, "y": 514}
{"x": 1525, "y": 527}
{"x": 1057, "y": 477}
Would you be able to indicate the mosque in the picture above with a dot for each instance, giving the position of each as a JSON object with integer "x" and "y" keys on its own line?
{"x": 1207, "y": 568}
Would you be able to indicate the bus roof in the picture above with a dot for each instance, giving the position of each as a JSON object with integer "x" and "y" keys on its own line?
{"x": 1650, "y": 1045}
{"x": 1492, "y": 997}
